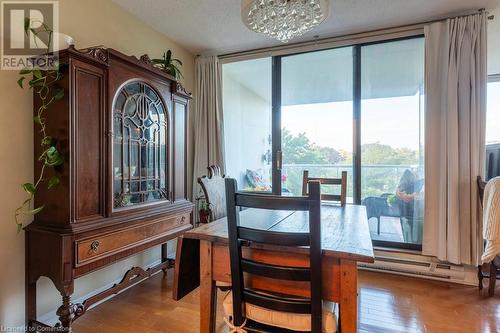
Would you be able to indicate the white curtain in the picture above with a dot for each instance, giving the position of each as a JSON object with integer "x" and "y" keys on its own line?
{"x": 208, "y": 122}
{"x": 456, "y": 78}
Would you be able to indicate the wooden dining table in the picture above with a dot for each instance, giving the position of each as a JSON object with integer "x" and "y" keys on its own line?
{"x": 202, "y": 258}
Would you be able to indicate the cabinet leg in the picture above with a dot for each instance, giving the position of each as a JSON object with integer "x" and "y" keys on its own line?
{"x": 67, "y": 313}
{"x": 165, "y": 258}
{"x": 30, "y": 294}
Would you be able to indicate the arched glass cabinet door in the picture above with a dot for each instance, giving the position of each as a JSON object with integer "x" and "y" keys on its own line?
{"x": 140, "y": 152}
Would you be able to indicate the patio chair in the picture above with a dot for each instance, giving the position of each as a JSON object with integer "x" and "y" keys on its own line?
{"x": 378, "y": 207}
{"x": 327, "y": 181}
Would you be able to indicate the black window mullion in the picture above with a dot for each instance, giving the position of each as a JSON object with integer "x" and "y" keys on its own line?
{"x": 356, "y": 105}
{"x": 276, "y": 124}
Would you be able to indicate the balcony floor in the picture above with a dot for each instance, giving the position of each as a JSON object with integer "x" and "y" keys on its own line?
{"x": 390, "y": 229}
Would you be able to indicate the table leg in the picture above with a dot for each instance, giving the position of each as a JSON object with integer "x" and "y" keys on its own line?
{"x": 349, "y": 296}
{"x": 208, "y": 292}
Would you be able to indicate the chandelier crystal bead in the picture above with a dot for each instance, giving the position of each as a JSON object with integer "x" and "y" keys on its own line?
{"x": 284, "y": 19}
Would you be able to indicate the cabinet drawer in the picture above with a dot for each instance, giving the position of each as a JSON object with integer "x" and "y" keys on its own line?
{"x": 100, "y": 246}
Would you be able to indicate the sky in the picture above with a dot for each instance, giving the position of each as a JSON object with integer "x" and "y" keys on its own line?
{"x": 391, "y": 121}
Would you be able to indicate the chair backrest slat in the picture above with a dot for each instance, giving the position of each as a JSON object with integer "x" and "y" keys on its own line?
{"x": 240, "y": 236}
{"x": 274, "y": 238}
{"x": 331, "y": 197}
{"x": 327, "y": 181}
{"x": 276, "y": 272}
{"x": 277, "y": 304}
{"x": 271, "y": 202}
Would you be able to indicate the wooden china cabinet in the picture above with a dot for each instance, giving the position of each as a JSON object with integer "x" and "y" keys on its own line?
{"x": 122, "y": 128}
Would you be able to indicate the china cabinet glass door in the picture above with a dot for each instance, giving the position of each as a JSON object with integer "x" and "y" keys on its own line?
{"x": 140, "y": 158}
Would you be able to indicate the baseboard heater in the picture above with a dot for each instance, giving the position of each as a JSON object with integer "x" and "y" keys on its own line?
{"x": 419, "y": 267}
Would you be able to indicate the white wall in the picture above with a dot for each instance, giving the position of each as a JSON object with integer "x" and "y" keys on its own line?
{"x": 90, "y": 23}
{"x": 247, "y": 126}
{"x": 494, "y": 43}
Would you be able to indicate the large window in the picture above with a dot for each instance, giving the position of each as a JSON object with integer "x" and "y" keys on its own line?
{"x": 493, "y": 128}
{"x": 247, "y": 123}
{"x": 357, "y": 109}
{"x": 392, "y": 166}
{"x": 316, "y": 120}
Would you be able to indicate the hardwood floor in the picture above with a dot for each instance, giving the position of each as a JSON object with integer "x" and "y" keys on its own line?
{"x": 388, "y": 304}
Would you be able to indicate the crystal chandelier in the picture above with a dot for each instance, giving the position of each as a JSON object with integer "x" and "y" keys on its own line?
{"x": 283, "y": 19}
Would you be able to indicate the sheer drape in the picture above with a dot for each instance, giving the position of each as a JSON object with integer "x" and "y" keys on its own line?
{"x": 208, "y": 121}
{"x": 456, "y": 78}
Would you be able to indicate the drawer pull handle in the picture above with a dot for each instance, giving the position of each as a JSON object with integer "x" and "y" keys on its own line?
{"x": 183, "y": 219}
{"x": 95, "y": 246}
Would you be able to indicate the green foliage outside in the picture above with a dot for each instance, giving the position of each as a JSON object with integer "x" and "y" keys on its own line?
{"x": 382, "y": 165}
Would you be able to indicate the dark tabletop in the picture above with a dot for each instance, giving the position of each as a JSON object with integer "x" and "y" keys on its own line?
{"x": 344, "y": 230}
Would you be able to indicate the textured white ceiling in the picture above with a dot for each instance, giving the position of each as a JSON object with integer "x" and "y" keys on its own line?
{"x": 215, "y": 26}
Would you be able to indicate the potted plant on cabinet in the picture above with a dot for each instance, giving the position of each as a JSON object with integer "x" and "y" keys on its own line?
{"x": 169, "y": 65}
{"x": 204, "y": 211}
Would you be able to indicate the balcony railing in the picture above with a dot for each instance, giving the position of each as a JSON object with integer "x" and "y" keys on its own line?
{"x": 376, "y": 179}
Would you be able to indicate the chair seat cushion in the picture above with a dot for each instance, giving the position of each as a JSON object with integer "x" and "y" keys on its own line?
{"x": 220, "y": 284}
{"x": 291, "y": 321}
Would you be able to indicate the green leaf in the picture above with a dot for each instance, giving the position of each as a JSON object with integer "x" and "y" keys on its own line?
{"x": 37, "y": 120}
{"x": 46, "y": 141}
{"x": 36, "y": 82}
{"x": 56, "y": 161}
{"x": 35, "y": 211}
{"x": 169, "y": 56}
{"x": 19, "y": 227}
{"x": 59, "y": 94}
{"x": 20, "y": 81}
{"x": 53, "y": 157}
{"x": 29, "y": 188}
{"x": 37, "y": 73}
{"x": 52, "y": 151}
{"x": 26, "y": 24}
{"x": 25, "y": 71}
{"x": 53, "y": 182}
{"x": 177, "y": 61}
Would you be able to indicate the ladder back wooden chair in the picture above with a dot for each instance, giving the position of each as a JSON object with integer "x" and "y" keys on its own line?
{"x": 214, "y": 191}
{"x": 264, "y": 311}
{"x": 328, "y": 181}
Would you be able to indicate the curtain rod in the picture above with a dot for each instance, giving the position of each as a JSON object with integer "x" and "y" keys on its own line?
{"x": 352, "y": 37}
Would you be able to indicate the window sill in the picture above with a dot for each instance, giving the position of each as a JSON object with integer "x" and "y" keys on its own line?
{"x": 396, "y": 250}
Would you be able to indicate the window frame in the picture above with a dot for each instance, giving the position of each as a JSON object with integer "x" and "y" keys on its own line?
{"x": 276, "y": 122}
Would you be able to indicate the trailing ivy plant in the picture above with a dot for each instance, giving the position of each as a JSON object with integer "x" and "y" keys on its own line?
{"x": 43, "y": 84}
{"x": 169, "y": 65}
